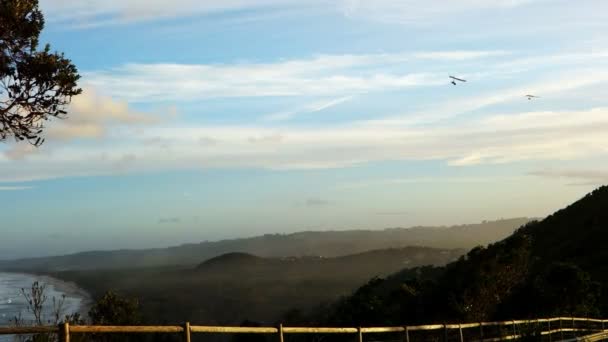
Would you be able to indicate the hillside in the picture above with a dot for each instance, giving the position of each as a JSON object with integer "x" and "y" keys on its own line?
{"x": 236, "y": 286}
{"x": 311, "y": 243}
{"x": 558, "y": 266}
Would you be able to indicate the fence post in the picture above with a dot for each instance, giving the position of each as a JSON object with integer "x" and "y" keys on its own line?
{"x": 360, "y": 334}
{"x": 514, "y": 330}
{"x": 66, "y": 332}
{"x": 573, "y": 331}
{"x": 549, "y": 327}
{"x": 460, "y": 330}
{"x": 407, "y": 334}
{"x": 481, "y": 331}
{"x": 445, "y": 332}
{"x": 561, "y": 329}
{"x": 281, "y": 339}
{"x": 187, "y": 332}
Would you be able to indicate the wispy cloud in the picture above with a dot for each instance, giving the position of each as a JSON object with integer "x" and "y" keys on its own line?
{"x": 169, "y": 220}
{"x": 557, "y": 135}
{"x": 96, "y": 13}
{"x": 316, "y": 202}
{"x": 549, "y": 85}
{"x": 14, "y": 188}
{"x": 431, "y": 12}
{"x": 20, "y": 151}
{"x": 321, "y": 76}
{"x": 91, "y": 114}
{"x": 393, "y": 213}
{"x": 309, "y": 108}
{"x": 579, "y": 177}
{"x": 418, "y": 180}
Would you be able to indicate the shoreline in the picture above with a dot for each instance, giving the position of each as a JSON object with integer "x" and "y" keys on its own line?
{"x": 70, "y": 289}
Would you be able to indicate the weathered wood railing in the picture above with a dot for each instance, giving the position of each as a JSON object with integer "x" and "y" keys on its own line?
{"x": 566, "y": 329}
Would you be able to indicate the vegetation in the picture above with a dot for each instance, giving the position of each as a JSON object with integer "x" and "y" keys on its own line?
{"x": 109, "y": 309}
{"x": 34, "y": 84}
{"x": 234, "y": 287}
{"x": 112, "y": 309}
{"x": 553, "y": 267}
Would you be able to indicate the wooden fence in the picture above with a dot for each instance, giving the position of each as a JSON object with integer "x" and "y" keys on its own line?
{"x": 549, "y": 329}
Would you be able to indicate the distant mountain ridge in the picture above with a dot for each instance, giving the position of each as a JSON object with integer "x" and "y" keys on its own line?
{"x": 308, "y": 243}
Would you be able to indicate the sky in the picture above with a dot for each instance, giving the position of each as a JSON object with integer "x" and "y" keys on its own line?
{"x": 205, "y": 120}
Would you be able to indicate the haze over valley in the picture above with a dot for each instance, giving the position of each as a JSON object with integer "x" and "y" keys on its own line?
{"x": 316, "y": 163}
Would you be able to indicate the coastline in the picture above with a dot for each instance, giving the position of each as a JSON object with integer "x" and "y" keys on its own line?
{"x": 70, "y": 289}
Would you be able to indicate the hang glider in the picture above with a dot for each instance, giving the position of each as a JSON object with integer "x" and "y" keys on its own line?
{"x": 454, "y": 79}
{"x": 530, "y": 97}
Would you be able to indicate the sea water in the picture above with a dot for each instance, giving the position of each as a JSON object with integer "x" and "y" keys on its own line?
{"x": 14, "y": 304}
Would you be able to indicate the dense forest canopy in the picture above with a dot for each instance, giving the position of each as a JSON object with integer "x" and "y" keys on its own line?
{"x": 552, "y": 267}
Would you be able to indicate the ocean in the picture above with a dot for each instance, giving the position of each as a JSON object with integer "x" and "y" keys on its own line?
{"x": 13, "y": 303}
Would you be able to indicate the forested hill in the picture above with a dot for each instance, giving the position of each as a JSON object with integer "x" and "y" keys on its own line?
{"x": 233, "y": 287}
{"x": 309, "y": 243}
{"x": 558, "y": 266}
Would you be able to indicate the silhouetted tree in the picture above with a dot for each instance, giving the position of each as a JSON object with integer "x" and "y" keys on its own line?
{"x": 34, "y": 84}
{"x": 112, "y": 309}
{"x": 564, "y": 289}
{"x": 36, "y": 298}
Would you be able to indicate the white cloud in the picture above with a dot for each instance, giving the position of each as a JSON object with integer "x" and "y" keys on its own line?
{"x": 324, "y": 75}
{"x": 418, "y": 180}
{"x": 90, "y": 114}
{"x": 19, "y": 151}
{"x": 94, "y": 13}
{"x": 309, "y": 108}
{"x": 425, "y": 11}
{"x": 559, "y": 135}
{"x": 548, "y": 86}
{"x": 14, "y": 188}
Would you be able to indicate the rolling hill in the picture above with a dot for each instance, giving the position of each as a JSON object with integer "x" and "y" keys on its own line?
{"x": 557, "y": 266}
{"x": 232, "y": 287}
{"x": 309, "y": 243}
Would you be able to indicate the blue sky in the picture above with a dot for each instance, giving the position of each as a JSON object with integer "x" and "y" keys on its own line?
{"x": 203, "y": 120}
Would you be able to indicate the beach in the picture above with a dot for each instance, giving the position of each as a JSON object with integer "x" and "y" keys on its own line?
{"x": 13, "y": 304}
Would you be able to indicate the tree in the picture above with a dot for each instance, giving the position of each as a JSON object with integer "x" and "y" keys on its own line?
{"x": 35, "y": 85}
{"x": 565, "y": 289}
{"x": 35, "y": 303}
{"x": 112, "y": 309}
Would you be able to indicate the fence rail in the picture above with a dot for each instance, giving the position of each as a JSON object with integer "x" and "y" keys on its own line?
{"x": 588, "y": 329}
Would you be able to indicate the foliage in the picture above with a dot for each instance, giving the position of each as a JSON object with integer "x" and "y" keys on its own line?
{"x": 553, "y": 267}
{"x": 35, "y": 84}
{"x": 35, "y": 298}
{"x": 226, "y": 291}
{"x": 112, "y": 309}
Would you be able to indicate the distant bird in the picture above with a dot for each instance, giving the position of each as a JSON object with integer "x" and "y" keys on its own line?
{"x": 454, "y": 79}
{"x": 530, "y": 97}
